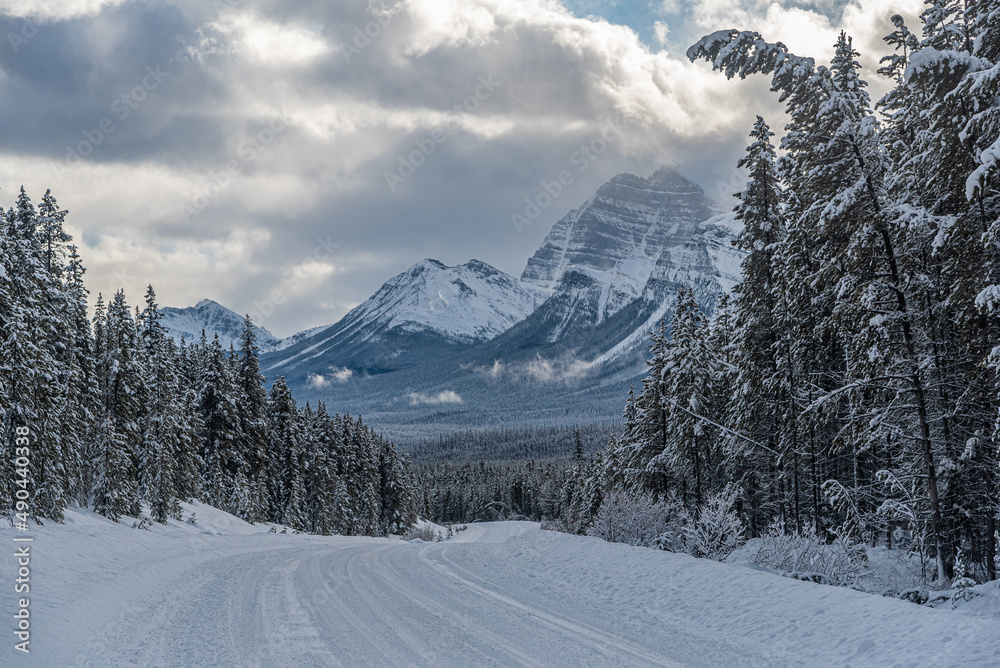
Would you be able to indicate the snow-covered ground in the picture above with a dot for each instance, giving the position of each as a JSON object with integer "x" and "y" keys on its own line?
{"x": 224, "y": 593}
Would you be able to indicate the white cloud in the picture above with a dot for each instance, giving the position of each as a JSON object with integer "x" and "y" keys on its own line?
{"x": 662, "y": 31}
{"x": 342, "y": 375}
{"x": 54, "y": 9}
{"x": 540, "y": 369}
{"x": 338, "y": 375}
{"x": 564, "y": 370}
{"x": 268, "y": 42}
{"x": 443, "y": 397}
{"x": 318, "y": 382}
{"x": 562, "y": 78}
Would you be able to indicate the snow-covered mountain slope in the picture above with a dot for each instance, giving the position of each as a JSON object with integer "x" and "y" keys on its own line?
{"x": 220, "y": 592}
{"x": 425, "y": 311}
{"x": 617, "y": 237}
{"x": 214, "y": 319}
{"x": 286, "y": 343}
{"x": 563, "y": 345}
{"x": 612, "y": 268}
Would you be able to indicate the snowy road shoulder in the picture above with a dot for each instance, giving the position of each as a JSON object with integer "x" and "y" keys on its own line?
{"x": 229, "y": 594}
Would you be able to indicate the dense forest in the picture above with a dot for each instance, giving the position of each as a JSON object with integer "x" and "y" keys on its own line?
{"x": 849, "y": 386}
{"x": 111, "y": 413}
{"x": 513, "y": 444}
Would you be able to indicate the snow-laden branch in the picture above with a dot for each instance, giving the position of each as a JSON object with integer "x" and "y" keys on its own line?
{"x": 722, "y": 428}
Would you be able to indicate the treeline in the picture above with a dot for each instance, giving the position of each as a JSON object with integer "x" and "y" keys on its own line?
{"x": 119, "y": 414}
{"x": 550, "y": 491}
{"x": 512, "y": 444}
{"x": 850, "y": 385}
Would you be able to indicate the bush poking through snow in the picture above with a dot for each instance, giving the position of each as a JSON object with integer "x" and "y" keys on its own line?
{"x": 635, "y": 518}
{"x": 426, "y": 533}
{"x": 961, "y": 589}
{"x": 806, "y": 556}
{"x": 716, "y": 531}
{"x": 143, "y": 523}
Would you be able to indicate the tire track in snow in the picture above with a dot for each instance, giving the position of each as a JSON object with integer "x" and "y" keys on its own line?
{"x": 434, "y": 606}
{"x": 596, "y": 638}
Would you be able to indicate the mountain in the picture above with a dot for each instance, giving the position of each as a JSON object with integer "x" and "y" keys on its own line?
{"x": 429, "y": 311}
{"x": 214, "y": 319}
{"x": 440, "y": 348}
{"x": 612, "y": 269}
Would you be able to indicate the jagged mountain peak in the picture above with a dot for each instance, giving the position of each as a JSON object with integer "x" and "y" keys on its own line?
{"x": 471, "y": 302}
{"x": 664, "y": 179}
{"x": 620, "y": 233}
{"x": 213, "y": 318}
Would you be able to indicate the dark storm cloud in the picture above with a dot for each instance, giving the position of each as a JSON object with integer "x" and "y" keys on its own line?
{"x": 267, "y": 155}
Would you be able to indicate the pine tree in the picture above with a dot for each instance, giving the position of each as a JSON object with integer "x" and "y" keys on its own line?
{"x": 119, "y": 436}
{"x": 689, "y": 375}
{"x": 287, "y": 483}
{"x": 82, "y": 398}
{"x": 252, "y": 410}
{"x": 220, "y": 454}
{"x": 649, "y": 433}
{"x": 163, "y": 431}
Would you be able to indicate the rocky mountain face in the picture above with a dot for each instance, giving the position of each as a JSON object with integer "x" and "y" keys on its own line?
{"x": 612, "y": 268}
{"x": 213, "y": 318}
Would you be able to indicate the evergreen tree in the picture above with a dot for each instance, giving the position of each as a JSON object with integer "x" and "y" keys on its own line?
{"x": 251, "y": 407}
{"x": 119, "y": 436}
{"x": 220, "y": 454}
{"x": 287, "y": 482}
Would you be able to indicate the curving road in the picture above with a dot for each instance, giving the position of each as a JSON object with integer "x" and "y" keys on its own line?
{"x": 361, "y": 603}
{"x": 503, "y": 594}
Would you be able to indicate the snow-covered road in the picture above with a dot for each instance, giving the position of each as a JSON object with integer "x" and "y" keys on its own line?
{"x": 504, "y": 594}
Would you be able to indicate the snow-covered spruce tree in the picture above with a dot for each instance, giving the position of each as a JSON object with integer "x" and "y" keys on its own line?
{"x": 689, "y": 374}
{"x": 982, "y": 190}
{"x": 930, "y": 116}
{"x": 398, "y": 497}
{"x": 322, "y": 479}
{"x": 360, "y": 454}
{"x": 287, "y": 484}
{"x": 119, "y": 435}
{"x": 188, "y": 462}
{"x": 836, "y": 167}
{"x": 252, "y": 410}
{"x": 220, "y": 435}
{"x": 82, "y": 408}
{"x": 70, "y": 396}
{"x": 34, "y": 347}
{"x": 163, "y": 433}
{"x": 11, "y": 331}
{"x": 647, "y": 434}
{"x": 763, "y": 389}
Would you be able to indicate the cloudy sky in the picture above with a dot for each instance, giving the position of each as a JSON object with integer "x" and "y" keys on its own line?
{"x": 286, "y": 157}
